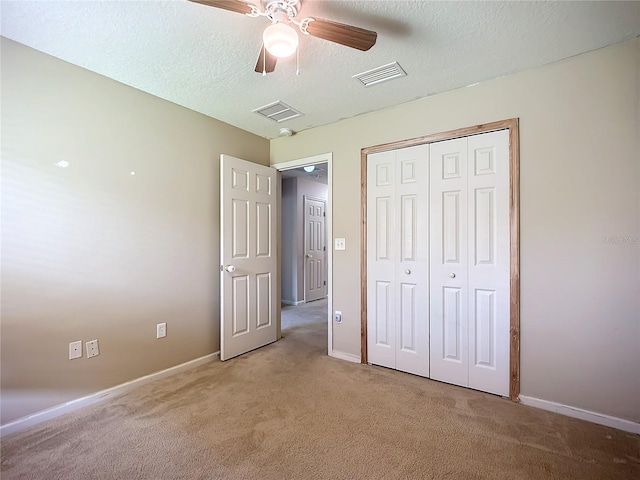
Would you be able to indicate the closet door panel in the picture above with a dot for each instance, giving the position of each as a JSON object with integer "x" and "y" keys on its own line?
{"x": 488, "y": 244}
{"x": 412, "y": 308}
{"x": 382, "y": 256}
{"x": 449, "y": 338}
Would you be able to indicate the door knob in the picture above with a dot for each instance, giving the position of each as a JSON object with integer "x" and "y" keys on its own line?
{"x": 452, "y": 275}
{"x": 308, "y": 255}
{"x": 407, "y": 271}
{"x": 230, "y": 268}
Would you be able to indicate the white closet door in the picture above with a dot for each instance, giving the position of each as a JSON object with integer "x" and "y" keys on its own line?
{"x": 469, "y": 324}
{"x": 489, "y": 262}
{"x": 382, "y": 256}
{"x": 412, "y": 266}
{"x": 397, "y": 259}
{"x": 438, "y": 261}
{"x": 449, "y": 262}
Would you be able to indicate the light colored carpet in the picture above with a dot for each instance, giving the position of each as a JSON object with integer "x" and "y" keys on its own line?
{"x": 290, "y": 411}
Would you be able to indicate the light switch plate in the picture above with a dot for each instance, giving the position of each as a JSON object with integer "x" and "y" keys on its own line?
{"x": 340, "y": 243}
{"x": 75, "y": 350}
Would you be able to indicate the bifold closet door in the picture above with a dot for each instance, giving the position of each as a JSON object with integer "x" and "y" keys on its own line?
{"x": 489, "y": 262}
{"x": 469, "y": 262}
{"x": 397, "y": 259}
{"x": 449, "y": 293}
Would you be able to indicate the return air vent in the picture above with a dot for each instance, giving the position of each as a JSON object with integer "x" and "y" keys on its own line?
{"x": 278, "y": 111}
{"x": 381, "y": 74}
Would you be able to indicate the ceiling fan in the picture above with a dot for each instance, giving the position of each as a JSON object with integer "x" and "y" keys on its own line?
{"x": 280, "y": 38}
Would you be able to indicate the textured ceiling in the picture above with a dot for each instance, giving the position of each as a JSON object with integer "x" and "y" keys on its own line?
{"x": 203, "y": 58}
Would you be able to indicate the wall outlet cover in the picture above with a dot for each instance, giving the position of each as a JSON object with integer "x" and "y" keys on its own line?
{"x": 161, "y": 330}
{"x": 340, "y": 243}
{"x": 92, "y": 349}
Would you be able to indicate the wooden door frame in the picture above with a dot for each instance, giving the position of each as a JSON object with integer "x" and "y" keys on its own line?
{"x": 514, "y": 232}
{"x": 304, "y": 242}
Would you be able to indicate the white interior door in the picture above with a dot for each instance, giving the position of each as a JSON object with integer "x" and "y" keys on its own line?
{"x": 397, "y": 265}
{"x": 248, "y": 283}
{"x": 314, "y": 249}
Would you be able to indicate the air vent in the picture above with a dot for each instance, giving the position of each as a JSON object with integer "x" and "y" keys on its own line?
{"x": 278, "y": 112}
{"x": 380, "y": 74}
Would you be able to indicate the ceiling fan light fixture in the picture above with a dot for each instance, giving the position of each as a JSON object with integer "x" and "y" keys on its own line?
{"x": 280, "y": 40}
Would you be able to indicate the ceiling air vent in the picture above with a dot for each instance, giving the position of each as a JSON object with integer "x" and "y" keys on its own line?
{"x": 381, "y": 74}
{"x": 278, "y": 111}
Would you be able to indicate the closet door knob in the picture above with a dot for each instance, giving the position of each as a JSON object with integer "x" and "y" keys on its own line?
{"x": 308, "y": 255}
{"x": 230, "y": 268}
{"x": 407, "y": 271}
{"x": 452, "y": 275}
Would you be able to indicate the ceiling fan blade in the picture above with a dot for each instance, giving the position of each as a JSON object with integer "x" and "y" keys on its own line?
{"x": 266, "y": 62}
{"x": 231, "y": 5}
{"x": 347, "y": 35}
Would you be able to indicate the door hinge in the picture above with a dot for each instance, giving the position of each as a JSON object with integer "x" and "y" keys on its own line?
{"x": 325, "y": 282}
{"x": 324, "y": 214}
{"x": 324, "y": 248}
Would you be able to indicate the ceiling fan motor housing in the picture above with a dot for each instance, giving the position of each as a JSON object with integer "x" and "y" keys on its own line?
{"x": 281, "y": 11}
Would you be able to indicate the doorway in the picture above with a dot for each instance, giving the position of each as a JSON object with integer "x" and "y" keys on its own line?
{"x": 304, "y": 249}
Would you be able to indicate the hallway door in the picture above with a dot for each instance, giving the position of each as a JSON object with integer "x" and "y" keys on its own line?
{"x": 314, "y": 249}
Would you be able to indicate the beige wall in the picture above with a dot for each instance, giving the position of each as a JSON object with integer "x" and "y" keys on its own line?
{"x": 580, "y": 182}
{"x": 288, "y": 240}
{"x": 92, "y": 252}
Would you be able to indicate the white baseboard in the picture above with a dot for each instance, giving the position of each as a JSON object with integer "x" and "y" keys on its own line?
{"x": 292, "y": 302}
{"x": 594, "y": 417}
{"x": 70, "y": 406}
{"x": 345, "y": 356}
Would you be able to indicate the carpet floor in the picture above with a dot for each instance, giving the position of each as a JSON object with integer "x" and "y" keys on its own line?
{"x": 288, "y": 411}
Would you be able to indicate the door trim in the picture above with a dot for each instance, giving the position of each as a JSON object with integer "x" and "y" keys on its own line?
{"x": 514, "y": 231}
{"x": 328, "y": 225}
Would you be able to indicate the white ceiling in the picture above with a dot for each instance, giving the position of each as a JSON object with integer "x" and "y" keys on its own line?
{"x": 203, "y": 58}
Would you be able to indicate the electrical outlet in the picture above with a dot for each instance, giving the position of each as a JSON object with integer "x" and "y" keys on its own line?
{"x": 340, "y": 244}
{"x": 75, "y": 350}
{"x": 161, "y": 330}
{"x": 92, "y": 349}
{"x": 337, "y": 316}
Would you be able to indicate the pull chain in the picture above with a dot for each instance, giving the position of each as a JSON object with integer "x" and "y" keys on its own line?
{"x": 264, "y": 61}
